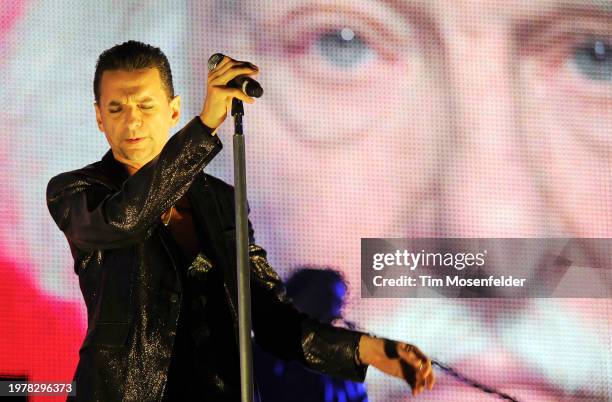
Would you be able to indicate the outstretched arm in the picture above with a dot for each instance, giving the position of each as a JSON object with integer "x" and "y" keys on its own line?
{"x": 290, "y": 335}
{"x": 93, "y": 215}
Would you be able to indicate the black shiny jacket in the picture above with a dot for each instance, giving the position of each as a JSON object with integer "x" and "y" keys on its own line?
{"x": 129, "y": 279}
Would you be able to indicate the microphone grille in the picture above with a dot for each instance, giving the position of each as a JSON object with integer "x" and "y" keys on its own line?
{"x": 214, "y": 60}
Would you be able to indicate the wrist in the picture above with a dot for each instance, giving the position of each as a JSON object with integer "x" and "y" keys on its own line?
{"x": 365, "y": 353}
{"x": 213, "y": 127}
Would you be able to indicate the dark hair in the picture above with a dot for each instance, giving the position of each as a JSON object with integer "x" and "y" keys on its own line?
{"x": 133, "y": 55}
{"x": 309, "y": 278}
{"x": 313, "y": 291}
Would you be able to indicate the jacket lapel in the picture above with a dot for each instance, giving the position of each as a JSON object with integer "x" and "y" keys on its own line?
{"x": 113, "y": 170}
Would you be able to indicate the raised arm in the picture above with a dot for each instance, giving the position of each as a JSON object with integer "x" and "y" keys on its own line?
{"x": 96, "y": 216}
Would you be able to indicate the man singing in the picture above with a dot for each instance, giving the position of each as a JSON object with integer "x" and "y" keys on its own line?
{"x": 153, "y": 242}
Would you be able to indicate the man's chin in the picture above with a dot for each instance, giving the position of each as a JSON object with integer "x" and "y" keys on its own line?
{"x": 134, "y": 156}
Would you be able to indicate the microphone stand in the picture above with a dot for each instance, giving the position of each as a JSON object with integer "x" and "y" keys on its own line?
{"x": 242, "y": 256}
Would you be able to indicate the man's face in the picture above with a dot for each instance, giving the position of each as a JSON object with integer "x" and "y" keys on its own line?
{"x": 135, "y": 115}
{"x": 479, "y": 118}
{"x": 431, "y": 118}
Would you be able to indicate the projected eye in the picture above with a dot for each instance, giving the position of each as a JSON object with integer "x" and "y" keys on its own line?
{"x": 329, "y": 47}
{"x": 593, "y": 60}
{"x": 343, "y": 48}
{"x": 574, "y": 57}
{"x": 331, "y": 51}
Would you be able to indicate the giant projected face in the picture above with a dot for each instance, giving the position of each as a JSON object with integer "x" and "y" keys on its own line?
{"x": 381, "y": 118}
{"x": 398, "y": 118}
{"x": 443, "y": 119}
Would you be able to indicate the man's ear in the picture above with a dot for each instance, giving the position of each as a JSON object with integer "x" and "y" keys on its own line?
{"x": 175, "y": 108}
{"x": 99, "y": 117}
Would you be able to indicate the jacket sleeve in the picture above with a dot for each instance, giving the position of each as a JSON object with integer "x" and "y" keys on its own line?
{"x": 290, "y": 335}
{"x": 94, "y": 217}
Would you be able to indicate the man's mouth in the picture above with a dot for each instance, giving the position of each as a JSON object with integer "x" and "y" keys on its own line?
{"x": 134, "y": 140}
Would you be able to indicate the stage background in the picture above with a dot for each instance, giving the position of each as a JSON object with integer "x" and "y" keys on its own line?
{"x": 380, "y": 119}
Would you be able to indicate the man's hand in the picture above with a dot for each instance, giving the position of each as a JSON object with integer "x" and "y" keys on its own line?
{"x": 398, "y": 359}
{"x": 218, "y": 96}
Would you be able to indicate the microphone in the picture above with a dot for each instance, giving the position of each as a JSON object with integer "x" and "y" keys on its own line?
{"x": 243, "y": 82}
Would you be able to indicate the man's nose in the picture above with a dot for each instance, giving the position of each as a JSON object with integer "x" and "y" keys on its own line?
{"x": 487, "y": 188}
{"x": 133, "y": 117}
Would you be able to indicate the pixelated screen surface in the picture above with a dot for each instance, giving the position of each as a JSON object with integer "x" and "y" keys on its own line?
{"x": 380, "y": 118}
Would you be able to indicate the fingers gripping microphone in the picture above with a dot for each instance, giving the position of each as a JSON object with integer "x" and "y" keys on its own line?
{"x": 243, "y": 82}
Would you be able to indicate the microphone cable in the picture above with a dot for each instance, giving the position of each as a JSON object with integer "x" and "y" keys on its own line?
{"x": 473, "y": 383}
